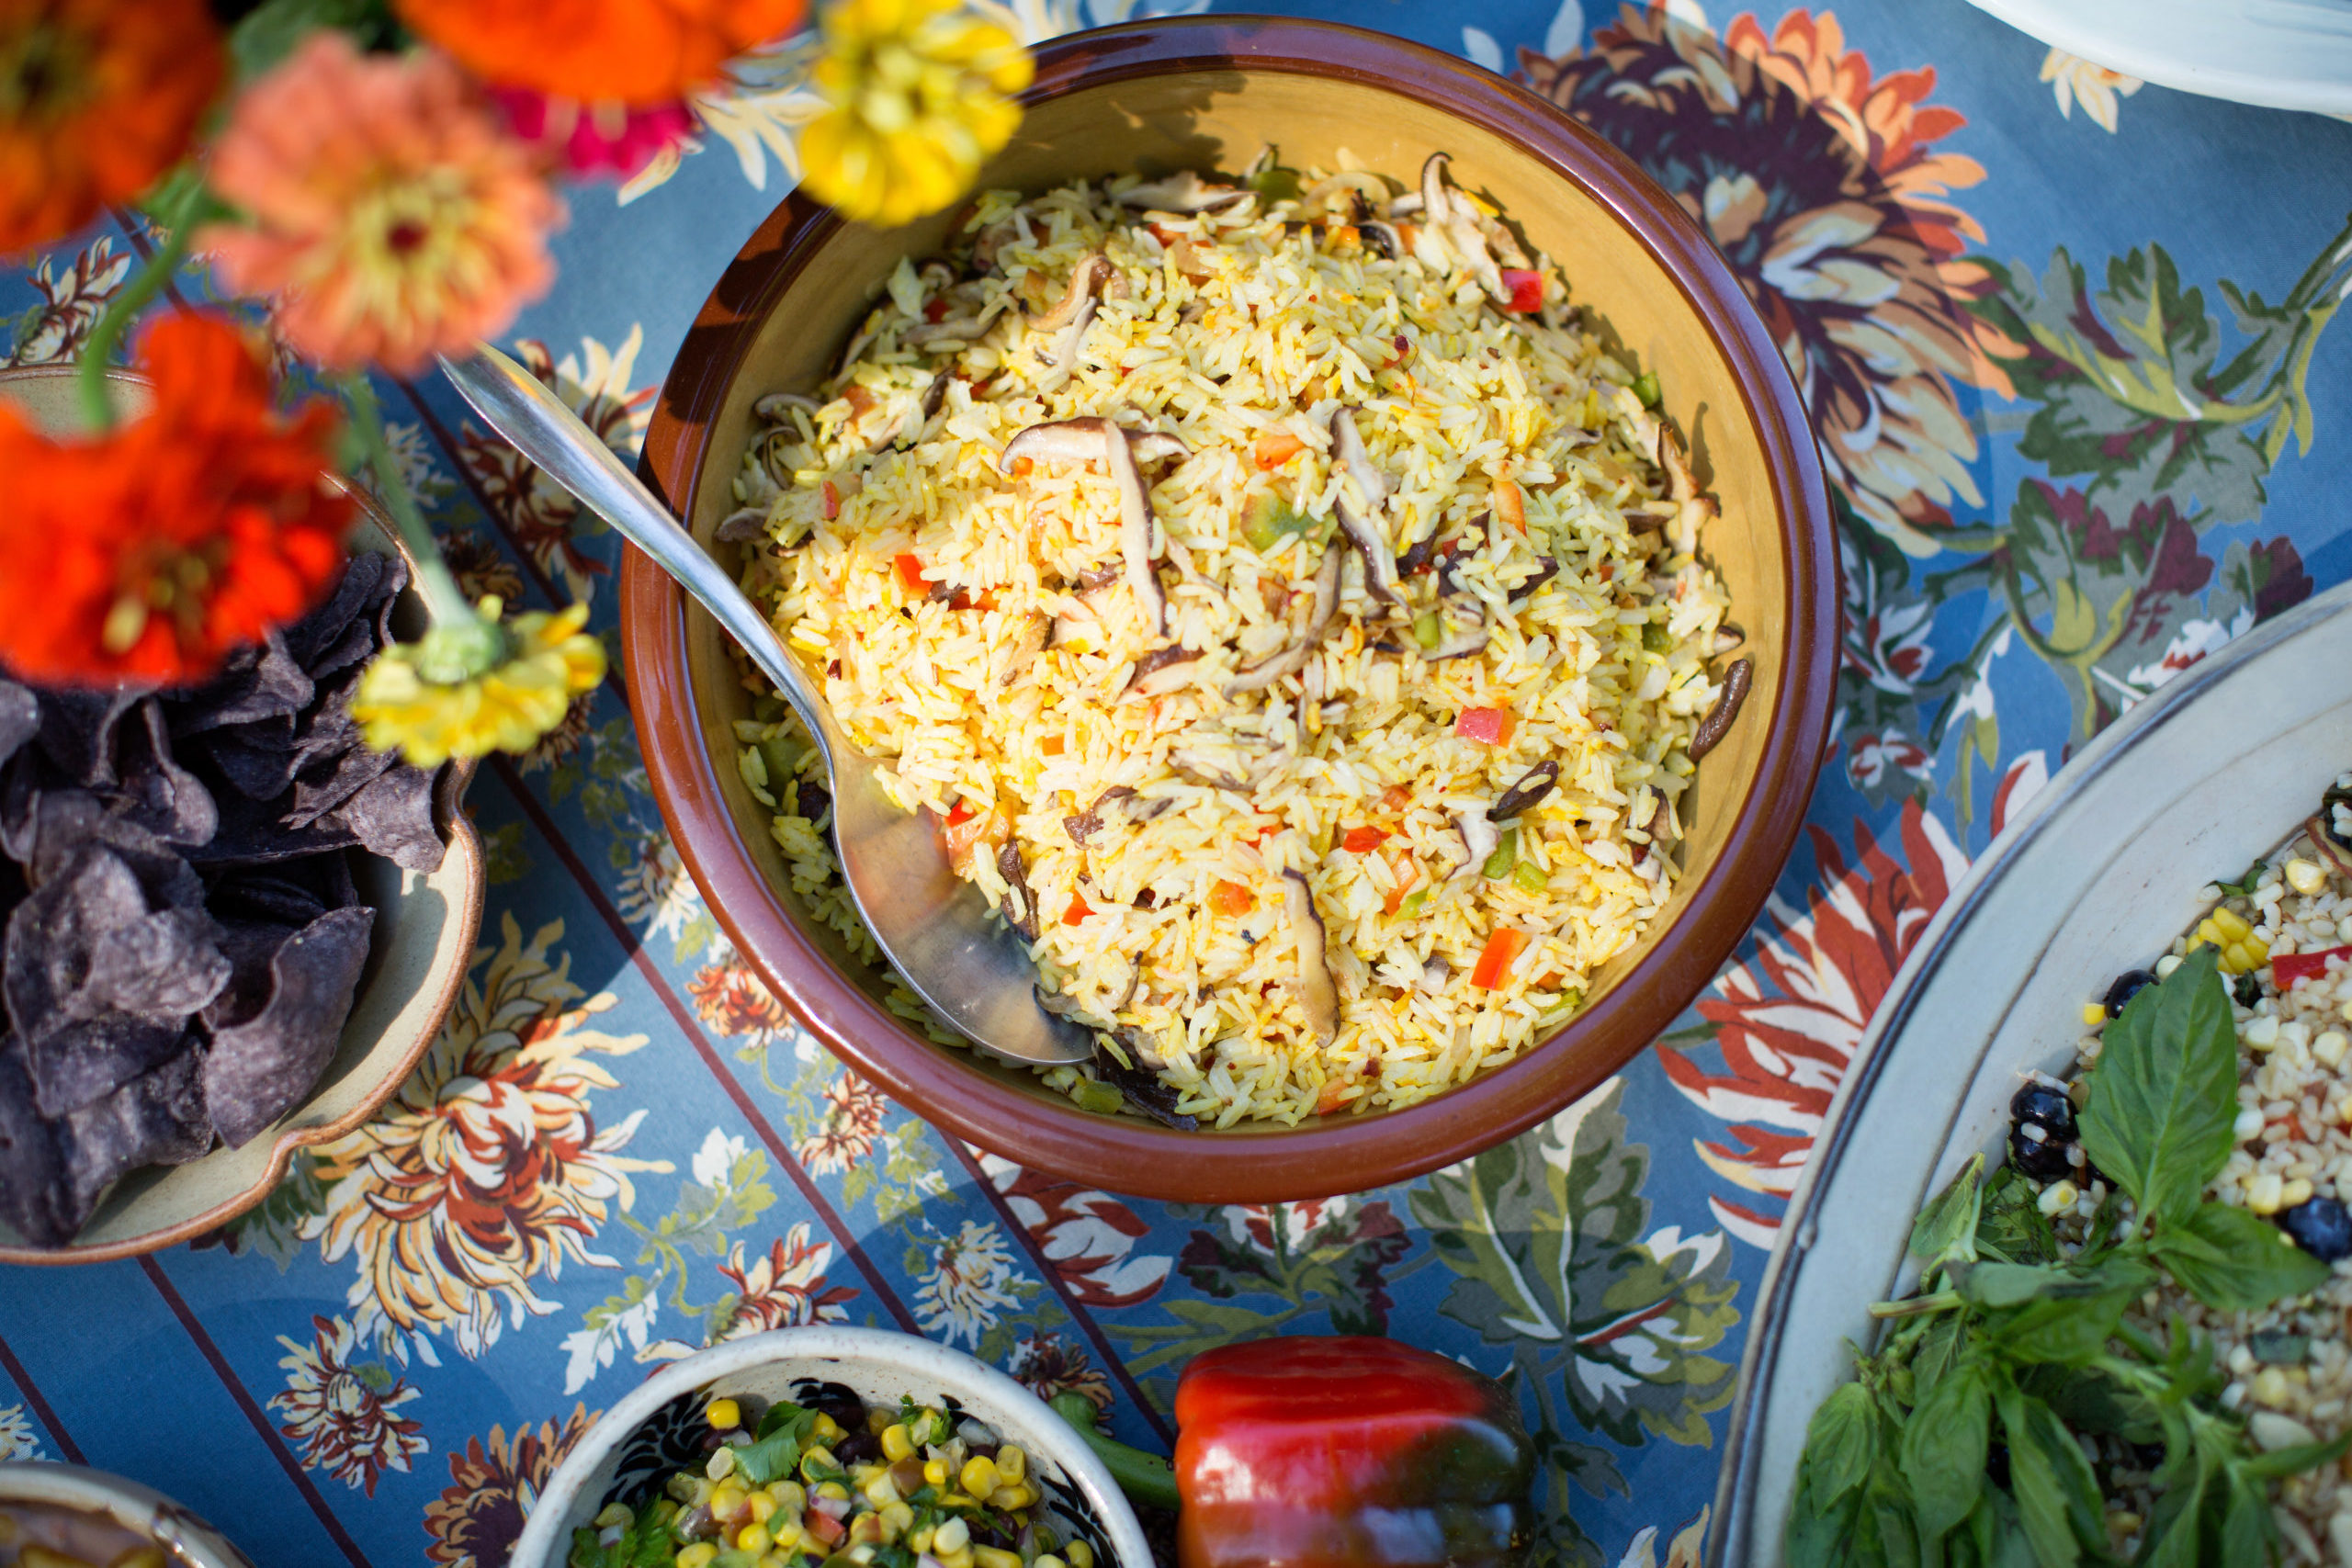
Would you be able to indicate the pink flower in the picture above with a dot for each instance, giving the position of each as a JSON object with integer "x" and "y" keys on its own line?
{"x": 1791, "y": 1015}
{"x": 594, "y": 138}
{"x": 384, "y": 207}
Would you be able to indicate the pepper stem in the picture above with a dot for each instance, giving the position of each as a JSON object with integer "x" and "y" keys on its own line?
{"x": 464, "y": 641}
{"x": 181, "y": 211}
{"x": 1147, "y": 1479}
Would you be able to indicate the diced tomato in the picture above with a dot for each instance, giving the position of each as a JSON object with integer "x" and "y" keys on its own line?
{"x": 2289, "y": 968}
{"x": 1275, "y": 448}
{"x": 1395, "y": 797}
{"x": 961, "y": 811}
{"x": 1488, "y": 726}
{"x": 832, "y": 501}
{"x": 911, "y": 577}
{"x": 1230, "y": 899}
{"x": 935, "y": 312}
{"x": 1021, "y": 466}
{"x": 979, "y": 831}
{"x": 1078, "y": 909}
{"x": 1357, "y": 841}
{"x": 1164, "y": 234}
{"x": 1502, "y": 947}
{"x": 1334, "y": 1096}
{"x": 1526, "y": 289}
{"x": 1510, "y": 505}
{"x": 823, "y": 1526}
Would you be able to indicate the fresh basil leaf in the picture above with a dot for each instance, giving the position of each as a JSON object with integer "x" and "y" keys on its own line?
{"x": 2236, "y": 1261}
{"x": 1945, "y": 1231}
{"x": 2247, "y": 1533}
{"x": 1840, "y": 1442}
{"x": 2012, "y": 1284}
{"x": 2294, "y": 1460}
{"x": 2061, "y": 1331}
{"x": 2010, "y": 1226}
{"x": 2245, "y": 886}
{"x": 2173, "y": 1533}
{"x": 2057, "y": 1495}
{"x": 1935, "y": 1353}
{"x": 2165, "y": 1091}
{"x": 1820, "y": 1533}
{"x": 1944, "y": 1445}
{"x": 1887, "y": 1517}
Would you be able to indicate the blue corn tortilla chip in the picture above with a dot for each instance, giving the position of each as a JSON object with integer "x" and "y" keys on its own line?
{"x": 33, "y": 1194}
{"x": 78, "y": 731}
{"x": 254, "y": 833}
{"x": 19, "y": 717}
{"x": 257, "y": 682}
{"x": 353, "y": 596}
{"x": 158, "y": 1118}
{"x": 153, "y": 791}
{"x": 52, "y": 826}
{"x": 392, "y": 816}
{"x": 256, "y": 759}
{"x": 269, "y": 1045}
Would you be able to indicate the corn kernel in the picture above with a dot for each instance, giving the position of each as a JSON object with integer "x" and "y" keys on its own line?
{"x": 952, "y": 1536}
{"x": 1009, "y": 1498}
{"x": 1045, "y": 1559}
{"x": 2166, "y": 965}
{"x": 698, "y": 1555}
{"x": 2330, "y": 1047}
{"x": 2305, "y": 875}
{"x": 615, "y": 1514}
{"x": 1012, "y": 1465}
{"x": 827, "y": 1429}
{"x": 788, "y": 1535}
{"x": 819, "y": 1459}
{"x": 790, "y": 1496}
{"x": 935, "y": 1471}
{"x": 960, "y": 1558}
{"x": 724, "y": 1413}
{"x": 728, "y": 1501}
{"x": 2271, "y": 1388}
{"x": 832, "y": 1489}
{"x": 2093, "y": 1015}
{"x": 682, "y": 1487}
{"x": 2261, "y": 1031}
{"x": 897, "y": 1443}
{"x": 2344, "y": 1012}
{"x": 2264, "y": 1192}
{"x": 879, "y": 1492}
{"x": 754, "y": 1538}
{"x": 2230, "y": 923}
{"x": 957, "y": 1500}
{"x": 2058, "y": 1196}
{"x": 919, "y": 1541}
{"x": 1078, "y": 1554}
{"x": 721, "y": 1465}
{"x": 878, "y": 1420}
{"x": 2295, "y": 1192}
{"x": 761, "y": 1506}
{"x": 898, "y": 1518}
{"x": 995, "y": 1557}
{"x": 978, "y": 1475}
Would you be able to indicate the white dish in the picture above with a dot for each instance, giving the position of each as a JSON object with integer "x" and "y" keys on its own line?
{"x": 2281, "y": 54}
{"x": 659, "y": 1428}
{"x": 2097, "y": 875}
{"x": 139, "y": 1510}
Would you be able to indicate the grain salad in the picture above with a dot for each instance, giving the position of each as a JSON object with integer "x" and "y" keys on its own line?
{"x": 1291, "y": 614}
{"x": 2133, "y": 1340}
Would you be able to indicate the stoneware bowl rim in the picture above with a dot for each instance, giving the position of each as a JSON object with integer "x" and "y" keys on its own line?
{"x": 2102, "y": 769}
{"x": 1334, "y": 1155}
{"x": 462, "y": 840}
{"x": 543, "y": 1537}
{"x": 191, "y": 1541}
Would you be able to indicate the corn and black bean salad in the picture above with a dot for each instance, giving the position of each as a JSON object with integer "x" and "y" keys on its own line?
{"x": 791, "y": 1487}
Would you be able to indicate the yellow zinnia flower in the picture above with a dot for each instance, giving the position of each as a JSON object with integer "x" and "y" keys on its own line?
{"x": 921, "y": 95}
{"x": 506, "y": 707}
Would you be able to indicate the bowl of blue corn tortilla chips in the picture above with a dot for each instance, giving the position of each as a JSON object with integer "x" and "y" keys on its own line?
{"x": 228, "y": 929}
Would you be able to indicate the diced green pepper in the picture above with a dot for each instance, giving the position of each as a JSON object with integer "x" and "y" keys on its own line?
{"x": 1425, "y": 629}
{"x": 1273, "y": 523}
{"x": 1530, "y": 876}
{"x": 783, "y": 759}
{"x": 1656, "y": 638}
{"x": 1093, "y": 1095}
{"x": 1646, "y": 389}
{"x": 1276, "y": 184}
{"x": 1506, "y": 855}
{"x": 1413, "y": 902}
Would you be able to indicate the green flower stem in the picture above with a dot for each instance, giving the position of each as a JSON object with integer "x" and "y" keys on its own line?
{"x": 188, "y": 206}
{"x": 1942, "y": 1301}
{"x": 469, "y": 642}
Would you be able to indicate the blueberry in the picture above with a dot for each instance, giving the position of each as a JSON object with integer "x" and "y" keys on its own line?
{"x": 2128, "y": 984}
{"x": 2321, "y": 1226}
{"x": 2042, "y": 1158}
{"x": 2047, "y": 1107}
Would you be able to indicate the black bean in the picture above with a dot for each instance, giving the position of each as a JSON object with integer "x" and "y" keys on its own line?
{"x": 2128, "y": 984}
{"x": 2047, "y": 1107}
{"x": 2042, "y": 1158}
{"x": 2321, "y": 1226}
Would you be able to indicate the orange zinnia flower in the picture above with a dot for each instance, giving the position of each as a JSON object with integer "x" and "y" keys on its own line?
{"x": 148, "y": 552}
{"x": 383, "y": 205}
{"x": 96, "y": 98}
{"x": 628, "y": 52}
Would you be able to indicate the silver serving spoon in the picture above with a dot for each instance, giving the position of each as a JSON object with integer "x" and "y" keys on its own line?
{"x": 935, "y": 928}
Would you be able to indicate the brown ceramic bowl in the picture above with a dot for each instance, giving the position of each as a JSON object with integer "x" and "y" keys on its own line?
{"x": 1208, "y": 93}
{"x": 417, "y": 956}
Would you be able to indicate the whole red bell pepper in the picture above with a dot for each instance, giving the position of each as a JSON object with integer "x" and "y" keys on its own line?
{"x": 1348, "y": 1452}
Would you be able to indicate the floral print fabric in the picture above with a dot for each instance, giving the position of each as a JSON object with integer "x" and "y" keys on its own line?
{"x": 2066, "y": 344}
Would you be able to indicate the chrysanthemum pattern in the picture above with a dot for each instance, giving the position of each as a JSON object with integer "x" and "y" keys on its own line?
{"x": 340, "y": 1407}
{"x": 492, "y": 1482}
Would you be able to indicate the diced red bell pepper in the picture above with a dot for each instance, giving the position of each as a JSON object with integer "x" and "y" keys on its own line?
{"x": 1395, "y": 797}
{"x": 1502, "y": 947}
{"x": 1357, "y": 841}
{"x": 1347, "y": 1452}
{"x": 962, "y": 811}
{"x": 1488, "y": 726}
{"x": 1078, "y": 912}
{"x": 965, "y": 836}
{"x": 936, "y": 310}
{"x": 911, "y": 577}
{"x": 1526, "y": 289}
{"x": 2288, "y": 968}
{"x": 832, "y": 501}
{"x": 1230, "y": 899}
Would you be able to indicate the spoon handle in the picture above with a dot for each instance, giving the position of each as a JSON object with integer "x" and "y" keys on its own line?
{"x": 520, "y": 407}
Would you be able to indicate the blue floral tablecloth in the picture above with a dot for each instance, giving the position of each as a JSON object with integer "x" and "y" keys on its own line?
{"x": 2064, "y": 339}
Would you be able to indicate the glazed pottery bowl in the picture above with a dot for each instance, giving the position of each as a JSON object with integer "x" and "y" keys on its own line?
{"x": 30, "y": 1490}
{"x": 2098, "y": 874}
{"x": 1209, "y": 94}
{"x": 422, "y": 942}
{"x": 659, "y": 1428}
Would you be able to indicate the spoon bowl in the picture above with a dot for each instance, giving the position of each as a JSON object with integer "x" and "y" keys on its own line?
{"x": 935, "y": 929}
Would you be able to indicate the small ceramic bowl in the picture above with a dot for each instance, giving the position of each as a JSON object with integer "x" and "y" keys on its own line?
{"x": 423, "y": 941}
{"x": 2098, "y": 874}
{"x": 1209, "y": 92}
{"x": 139, "y": 1510}
{"x": 658, "y": 1429}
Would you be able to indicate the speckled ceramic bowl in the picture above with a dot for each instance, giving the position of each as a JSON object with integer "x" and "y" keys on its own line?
{"x": 2100, "y": 871}
{"x": 423, "y": 940}
{"x": 141, "y": 1510}
{"x": 659, "y": 1428}
{"x": 1209, "y": 92}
